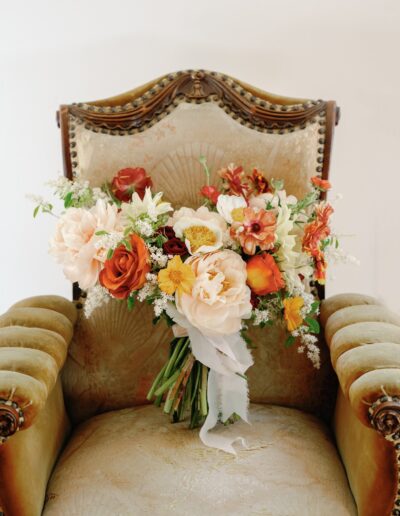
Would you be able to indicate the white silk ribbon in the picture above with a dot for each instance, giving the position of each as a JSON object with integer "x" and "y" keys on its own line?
{"x": 228, "y": 358}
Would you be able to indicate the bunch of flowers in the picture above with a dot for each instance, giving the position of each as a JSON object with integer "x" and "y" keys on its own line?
{"x": 250, "y": 254}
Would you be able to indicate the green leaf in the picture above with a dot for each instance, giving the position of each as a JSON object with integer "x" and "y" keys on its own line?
{"x": 314, "y": 307}
{"x": 36, "y": 211}
{"x": 110, "y": 252}
{"x": 313, "y": 324}
{"x": 131, "y": 302}
{"x": 101, "y": 233}
{"x": 127, "y": 244}
{"x": 68, "y": 200}
{"x": 290, "y": 341}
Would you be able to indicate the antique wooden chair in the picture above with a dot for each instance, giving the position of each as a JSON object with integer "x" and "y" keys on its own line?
{"x": 107, "y": 451}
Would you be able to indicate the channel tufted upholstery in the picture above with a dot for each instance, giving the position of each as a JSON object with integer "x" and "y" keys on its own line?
{"x": 321, "y": 442}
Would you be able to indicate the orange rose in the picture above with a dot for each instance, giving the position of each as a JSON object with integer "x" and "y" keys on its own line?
{"x": 263, "y": 275}
{"x": 126, "y": 270}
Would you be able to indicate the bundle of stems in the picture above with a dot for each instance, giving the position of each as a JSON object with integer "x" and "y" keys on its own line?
{"x": 182, "y": 385}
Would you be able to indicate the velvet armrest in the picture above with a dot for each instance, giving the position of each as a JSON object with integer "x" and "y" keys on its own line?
{"x": 34, "y": 338}
{"x": 364, "y": 341}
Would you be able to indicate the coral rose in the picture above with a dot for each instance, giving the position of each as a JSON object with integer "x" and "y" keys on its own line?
{"x": 126, "y": 270}
{"x": 220, "y": 298}
{"x": 263, "y": 275}
{"x": 130, "y": 180}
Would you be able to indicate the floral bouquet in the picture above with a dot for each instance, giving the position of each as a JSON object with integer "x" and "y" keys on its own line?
{"x": 250, "y": 254}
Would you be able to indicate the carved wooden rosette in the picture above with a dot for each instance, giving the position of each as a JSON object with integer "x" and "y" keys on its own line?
{"x": 11, "y": 419}
{"x": 385, "y": 416}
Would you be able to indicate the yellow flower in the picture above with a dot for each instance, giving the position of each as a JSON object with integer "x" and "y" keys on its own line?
{"x": 176, "y": 277}
{"x": 292, "y": 316}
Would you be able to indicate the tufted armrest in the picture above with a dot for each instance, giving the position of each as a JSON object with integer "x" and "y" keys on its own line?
{"x": 34, "y": 338}
{"x": 364, "y": 341}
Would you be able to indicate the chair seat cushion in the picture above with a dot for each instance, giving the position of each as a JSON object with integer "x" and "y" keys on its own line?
{"x": 135, "y": 462}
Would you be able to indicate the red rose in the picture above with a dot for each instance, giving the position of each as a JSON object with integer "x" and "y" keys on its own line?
{"x": 211, "y": 193}
{"x": 126, "y": 270}
{"x": 130, "y": 180}
{"x": 175, "y": 246}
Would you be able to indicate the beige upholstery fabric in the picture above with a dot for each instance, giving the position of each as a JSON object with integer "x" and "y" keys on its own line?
{"x": 369, "y": 459}
{"x": 115, "y": 355}
{"x": 134, "y": 462}
{"x": 34, "y": 336}
{"x": 365, "y": 341}
{"x": 170, "y": 152}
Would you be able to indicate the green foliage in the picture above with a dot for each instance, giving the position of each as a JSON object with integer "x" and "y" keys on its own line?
{"x": 131, "y": 301}
{"x": 313, "y": 324}
{"x": 290, "y": 341}
{"x": 68, "y": 200}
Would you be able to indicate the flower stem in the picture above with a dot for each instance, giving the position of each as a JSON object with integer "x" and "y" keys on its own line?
{"x": 203, "y": 391}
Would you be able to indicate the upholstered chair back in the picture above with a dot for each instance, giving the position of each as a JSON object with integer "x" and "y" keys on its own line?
{"x": 165, "y": 126}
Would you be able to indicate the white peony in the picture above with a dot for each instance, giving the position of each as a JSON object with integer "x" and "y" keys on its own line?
{"x": 74, "y": 244}
{"x": 204, "y": 231}
{"x": 227, "y": 206}
{"x": 220, "y": 297}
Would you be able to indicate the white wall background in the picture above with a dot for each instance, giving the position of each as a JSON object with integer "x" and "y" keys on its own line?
{"x": 55, "y": 52}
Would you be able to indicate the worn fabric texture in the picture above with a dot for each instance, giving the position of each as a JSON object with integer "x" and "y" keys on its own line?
{"x": 134, "y": 462}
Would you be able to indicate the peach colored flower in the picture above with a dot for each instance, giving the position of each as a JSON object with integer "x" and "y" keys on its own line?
{"x": 220, "y": 298}
{"x": 257, "y": 229}
{"x": 74, "y": 242}
{"x": 263, "y": 274}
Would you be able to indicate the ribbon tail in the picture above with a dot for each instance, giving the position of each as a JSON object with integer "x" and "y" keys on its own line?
{"x": 216, "y": 395}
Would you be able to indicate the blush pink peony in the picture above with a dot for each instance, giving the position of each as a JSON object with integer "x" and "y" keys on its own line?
{"x": 75, "y": 244}
{"x": 220, "y": 298}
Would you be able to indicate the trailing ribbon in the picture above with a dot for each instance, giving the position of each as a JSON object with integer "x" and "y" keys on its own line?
{"x": 228, "y": 358}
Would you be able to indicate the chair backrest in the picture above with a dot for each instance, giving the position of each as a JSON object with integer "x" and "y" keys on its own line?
{"x": 165, "y": 126}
